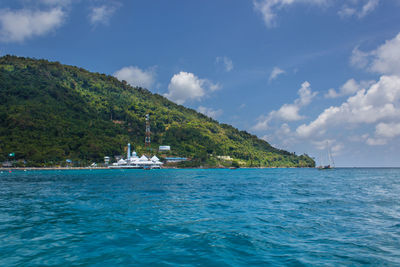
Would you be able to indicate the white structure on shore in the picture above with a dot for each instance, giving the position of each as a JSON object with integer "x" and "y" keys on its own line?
{"x": 164, "y": 148}
{"x": 132, "y": 161}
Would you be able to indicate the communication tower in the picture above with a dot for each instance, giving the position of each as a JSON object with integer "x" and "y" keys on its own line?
{"x": 147, "y": 138}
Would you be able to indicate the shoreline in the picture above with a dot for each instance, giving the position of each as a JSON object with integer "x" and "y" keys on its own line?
{"x": 2, "y": 169}
{"x": 106, "y": 168}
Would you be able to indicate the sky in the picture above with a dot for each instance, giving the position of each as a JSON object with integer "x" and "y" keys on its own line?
{"x": 301, "y": 74}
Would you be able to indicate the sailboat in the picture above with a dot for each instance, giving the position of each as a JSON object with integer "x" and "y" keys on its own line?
{"x": 331, "y": 164}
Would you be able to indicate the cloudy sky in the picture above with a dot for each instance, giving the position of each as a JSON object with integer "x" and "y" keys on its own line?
{"x": 298, "y": 73}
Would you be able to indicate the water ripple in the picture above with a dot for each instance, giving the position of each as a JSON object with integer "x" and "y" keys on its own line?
{"x": 250, "y": 217}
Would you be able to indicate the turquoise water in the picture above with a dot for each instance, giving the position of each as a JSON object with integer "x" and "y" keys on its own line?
{"x": 200, "y": 217}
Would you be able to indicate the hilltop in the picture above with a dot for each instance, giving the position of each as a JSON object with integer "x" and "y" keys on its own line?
{"x": 50, "y": 112}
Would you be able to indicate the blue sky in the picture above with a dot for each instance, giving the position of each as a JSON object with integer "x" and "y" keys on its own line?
{"x": 298, "y": 73}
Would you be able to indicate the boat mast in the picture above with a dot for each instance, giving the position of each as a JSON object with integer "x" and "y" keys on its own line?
{"x": 331, "y": 161}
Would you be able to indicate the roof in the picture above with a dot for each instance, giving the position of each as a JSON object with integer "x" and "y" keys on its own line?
{"x": 143, "y": 158}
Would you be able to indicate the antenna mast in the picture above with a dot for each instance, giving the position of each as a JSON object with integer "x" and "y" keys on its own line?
{"x": 148, "y": 133}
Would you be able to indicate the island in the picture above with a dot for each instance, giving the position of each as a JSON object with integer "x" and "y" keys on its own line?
{"x": 58, "y": 115}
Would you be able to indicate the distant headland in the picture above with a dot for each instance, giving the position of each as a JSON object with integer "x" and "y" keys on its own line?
{"x": 55, "y": 115}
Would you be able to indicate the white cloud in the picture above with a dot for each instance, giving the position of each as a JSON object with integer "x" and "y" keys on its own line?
{"x": 348, "y": 88}
{"x": 226, "y": 61}
{"x": 213, "y": 113}
{"x": 136, "y": 76}
{"x": 275, "y": 73}
{"x": 306, "y": 94}
{"x": 359, "y": 58}
{"x": 388, "y": 129}
{"x": 360, "y": 11}
{"x": 186, "y": 86}
{"x": 56, "y": 2}
{"x": 212, "y": 86}
{"x": 16, "y": 26}
{"x": 376, "y": 141}
{"x": 375, "y": 104}
{"x": 383, "y": 133}
{"x": 322, "y": 144}
{"x": 347, "y": 11}
{"x": 337, "y": 148}
{"x": 269, "y": 8}
{"x": 380, "y": 102}
{"x": 288, "y": 112}
{"x": 384, "y": 60}
{"x": 102, "y": 14}
{"x": 368, "y": 7}
{"x": 285, "y": 129}
{"x": 283, "y": 135}
{"x": 262, "y": 123}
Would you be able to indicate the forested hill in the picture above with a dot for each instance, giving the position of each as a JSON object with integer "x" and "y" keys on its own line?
{"x": 51, "y": 112}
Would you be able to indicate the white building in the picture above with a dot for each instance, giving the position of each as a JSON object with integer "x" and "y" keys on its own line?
{"x": 164, "y": 148}
{"x": 134, "y": 162}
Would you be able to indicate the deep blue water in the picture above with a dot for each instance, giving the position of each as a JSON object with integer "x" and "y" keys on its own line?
{"x": 244, "y": 217}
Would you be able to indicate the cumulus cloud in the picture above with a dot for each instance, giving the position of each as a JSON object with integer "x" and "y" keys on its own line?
{"x": 186, "y": 86}
{"x": 226, "y": 61}
{"x": 289, "y": 112}
{"x": 376, "y": 141}
{"x": 384, "y": 60}
{"x": 275, "y": 73}
{"x": 373, "y": 103}
{"x": 19, "y": 25}
{"x": 283, "y": 135}
{"x": 389, "y": 130}
{"x": 136, "y": 76}
{"x": 384, "y": 132}
{"x": 348, "y": 88}
{"x": 102, "y": 14}
{"x": 380, "y": 102}
{"x": 213, "y": 113}
{"x": 357, "y": 10}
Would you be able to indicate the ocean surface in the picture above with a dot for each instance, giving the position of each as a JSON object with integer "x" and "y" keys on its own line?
{"x": 244, "y": 217}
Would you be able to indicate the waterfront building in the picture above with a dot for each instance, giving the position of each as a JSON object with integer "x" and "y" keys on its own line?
{"x": 132, "y": 161}
{"x": 164, "y": 148}
{"x": 175, "y": 159}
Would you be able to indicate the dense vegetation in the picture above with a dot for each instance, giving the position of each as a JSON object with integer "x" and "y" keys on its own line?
{"x": 51, "y": 112}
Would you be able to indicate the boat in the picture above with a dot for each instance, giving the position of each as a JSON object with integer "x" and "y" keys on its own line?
{"x": 331, "y": 164}
{"x": 325, "y": 167}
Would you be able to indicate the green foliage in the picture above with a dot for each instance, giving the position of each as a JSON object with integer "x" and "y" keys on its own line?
{"x": 235, "y": 164}
{"x": 51, "y": 112}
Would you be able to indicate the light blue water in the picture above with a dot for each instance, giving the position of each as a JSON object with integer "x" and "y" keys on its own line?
{"x": 200, "y": 217}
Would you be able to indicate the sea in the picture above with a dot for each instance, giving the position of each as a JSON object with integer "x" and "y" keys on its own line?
{"x": 200, "y": 217}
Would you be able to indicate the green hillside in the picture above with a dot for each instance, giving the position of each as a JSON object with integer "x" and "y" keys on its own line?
{"x": 51, "y": 112}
